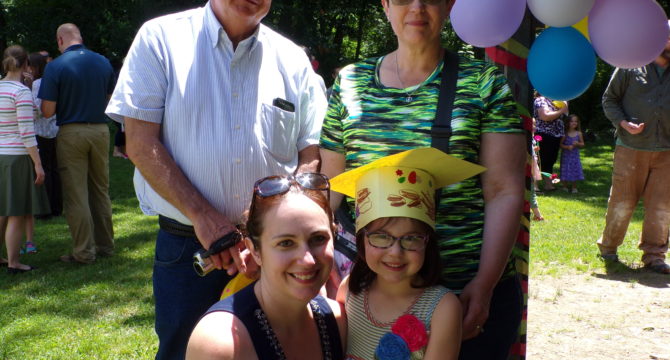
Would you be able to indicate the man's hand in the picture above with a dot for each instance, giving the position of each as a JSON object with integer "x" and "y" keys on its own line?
{"x": 210, "y": 227}
{"x": 632, "y": 128}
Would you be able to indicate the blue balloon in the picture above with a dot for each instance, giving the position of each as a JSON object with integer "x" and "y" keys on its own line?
{"x": 561, "y": 63}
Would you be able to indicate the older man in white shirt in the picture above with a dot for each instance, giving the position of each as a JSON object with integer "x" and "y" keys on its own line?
{"x": 212, "y": 100}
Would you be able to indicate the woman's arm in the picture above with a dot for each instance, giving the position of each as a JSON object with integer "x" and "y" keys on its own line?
{"x": 580, "y": 143}
{"x": 39, "y": 171}
{"x": 549, "y": 115}
{"x": 562, "y": 144}
{"x": 503, "y": 183}
{"x": 220, "y": 335}
{"x": 445, "y": 330}
{"x": 332, "y": 164}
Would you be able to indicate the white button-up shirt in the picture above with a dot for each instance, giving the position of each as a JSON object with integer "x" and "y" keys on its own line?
{"x": 217, "y": 107}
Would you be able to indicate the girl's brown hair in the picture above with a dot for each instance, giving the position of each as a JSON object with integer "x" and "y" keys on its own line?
{"x": 14, "y": 58}
{"x": 567, "y": 123}
{"x": 38, "y": 62}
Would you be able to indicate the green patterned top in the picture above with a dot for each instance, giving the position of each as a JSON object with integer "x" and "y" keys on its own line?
{"x": 367, "y": 121}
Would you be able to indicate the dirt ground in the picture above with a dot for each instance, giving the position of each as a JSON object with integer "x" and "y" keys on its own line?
{"x": 623, "y": 315}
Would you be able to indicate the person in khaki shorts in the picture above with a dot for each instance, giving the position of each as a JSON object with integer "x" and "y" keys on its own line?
{"x": 76, "y": 87}
{"x": 637, "y": 103}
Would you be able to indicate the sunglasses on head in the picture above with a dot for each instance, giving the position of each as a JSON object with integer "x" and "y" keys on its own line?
{"x": 382, "y": 240}
{"x": 407, "y": 2}
{"x": 277, "y": 185}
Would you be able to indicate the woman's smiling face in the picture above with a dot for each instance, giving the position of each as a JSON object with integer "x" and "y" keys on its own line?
{"x": 296, "y": 247}
{"x": 417, "y": 23}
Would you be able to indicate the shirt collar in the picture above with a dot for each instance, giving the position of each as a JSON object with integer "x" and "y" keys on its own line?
{"x": 74, "y": 47}
{"x": 217, "y": 33}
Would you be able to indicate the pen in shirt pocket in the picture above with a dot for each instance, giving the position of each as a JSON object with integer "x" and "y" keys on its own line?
{"x": 283, "y": 104}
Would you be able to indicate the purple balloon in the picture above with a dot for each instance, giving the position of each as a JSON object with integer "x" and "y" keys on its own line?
{"x": 485, "y": 23}
{"x": 628, "y": 33}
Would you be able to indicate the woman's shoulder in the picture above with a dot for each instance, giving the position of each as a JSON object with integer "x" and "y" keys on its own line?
{"x": 364, "y": 68}
{"x": 220, "y": 335}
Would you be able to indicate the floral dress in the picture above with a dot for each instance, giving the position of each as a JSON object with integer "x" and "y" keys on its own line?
{"x": 571, "y": 165}
{"x": 365, "y": 333}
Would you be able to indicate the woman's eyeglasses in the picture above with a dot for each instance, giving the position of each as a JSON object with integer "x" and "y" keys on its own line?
{"x": 407, "y": 242}
{"x": 277, "y": 185}
{"x": 407, "y": 2}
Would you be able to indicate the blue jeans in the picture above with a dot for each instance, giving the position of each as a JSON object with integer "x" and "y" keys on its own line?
{"x": 181, "y": 296}
{"x": 502, "y": 326}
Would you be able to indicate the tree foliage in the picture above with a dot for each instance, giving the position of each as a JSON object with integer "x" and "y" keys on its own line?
{"x": 336, "y": 31}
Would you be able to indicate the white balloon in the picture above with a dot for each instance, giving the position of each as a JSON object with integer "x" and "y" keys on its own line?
{"x": 560, "y": 13}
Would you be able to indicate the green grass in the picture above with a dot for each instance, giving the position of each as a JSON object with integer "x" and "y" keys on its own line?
{"x": 566, "y": 241}
{"x": 105, "y": 310}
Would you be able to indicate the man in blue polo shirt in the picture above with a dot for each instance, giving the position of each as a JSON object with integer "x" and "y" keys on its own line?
{"x": 76, "y": 86}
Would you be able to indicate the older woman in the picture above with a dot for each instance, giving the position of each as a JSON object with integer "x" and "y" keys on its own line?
{"x": 21, "y": 172}
{"x": 386, "y": 105}
{"x": 282, "y": 315}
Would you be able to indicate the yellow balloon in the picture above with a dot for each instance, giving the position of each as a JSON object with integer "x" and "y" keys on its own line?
{"x": 559, "y": 104}
{"x": 583, "y": 27}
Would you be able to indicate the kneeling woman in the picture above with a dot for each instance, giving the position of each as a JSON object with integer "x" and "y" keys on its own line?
{"x": 282, "y": 315}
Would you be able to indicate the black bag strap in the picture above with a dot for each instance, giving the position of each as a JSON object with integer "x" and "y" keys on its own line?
{"x": 441, "y": 130}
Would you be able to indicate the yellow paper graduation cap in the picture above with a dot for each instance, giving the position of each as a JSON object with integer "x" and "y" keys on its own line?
{"x": 403, "y": 184}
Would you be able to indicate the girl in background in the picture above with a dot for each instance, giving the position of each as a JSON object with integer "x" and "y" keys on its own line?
{"x": 536, "y": 175}
{"x": 571, "y": 165}
{"x": 21, "y": 172}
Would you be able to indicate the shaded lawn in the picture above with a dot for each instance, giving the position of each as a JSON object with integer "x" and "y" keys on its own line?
{"x": 99, "y": 311}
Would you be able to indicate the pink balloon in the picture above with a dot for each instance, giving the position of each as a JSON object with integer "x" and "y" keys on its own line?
{"x": 628, "y": 33}
{"x": 485, "y": 23}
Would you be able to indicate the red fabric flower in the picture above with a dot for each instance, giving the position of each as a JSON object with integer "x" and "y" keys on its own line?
{"x": 537, "y": 138}
{"x": 412, "y": 330}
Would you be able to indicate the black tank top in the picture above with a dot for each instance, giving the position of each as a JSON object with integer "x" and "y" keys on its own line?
{"x": 244, "y": 305}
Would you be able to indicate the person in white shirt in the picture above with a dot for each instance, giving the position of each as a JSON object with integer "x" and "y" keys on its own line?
{"x": 211, "y": 100}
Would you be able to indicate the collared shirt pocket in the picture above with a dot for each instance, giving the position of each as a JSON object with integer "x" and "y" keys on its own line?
{"x": 279, "y": 133}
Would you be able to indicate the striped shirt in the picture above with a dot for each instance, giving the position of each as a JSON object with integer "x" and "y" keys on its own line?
{"x": 220, "y": 121}
{"x": 17, "y": 131}
{"x": 364, "y": 332}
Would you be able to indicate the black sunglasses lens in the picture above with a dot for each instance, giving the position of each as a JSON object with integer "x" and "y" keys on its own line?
{"x": 273, "y": 186}
{"x": 313, "y": 181}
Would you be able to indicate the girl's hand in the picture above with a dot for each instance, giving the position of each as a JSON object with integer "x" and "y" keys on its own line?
{"x": 39, "y": 175}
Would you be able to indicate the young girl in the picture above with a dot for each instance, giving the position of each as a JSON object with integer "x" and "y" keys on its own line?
{"x": 571, "y": 166}
{"x": 536, "y": 175}
{"x": 21, "y": 172}
{"x": 391, "y": 298}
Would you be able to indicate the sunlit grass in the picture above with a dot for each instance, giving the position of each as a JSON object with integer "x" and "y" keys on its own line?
{"x": 105, "y": 310}
{"x": 566, "y": 240}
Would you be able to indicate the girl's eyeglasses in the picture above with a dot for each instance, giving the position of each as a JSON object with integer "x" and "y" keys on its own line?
{"x": 407, "y": 2}
{"x": 407, "y": 242}
{"x": 277, "y": 185}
